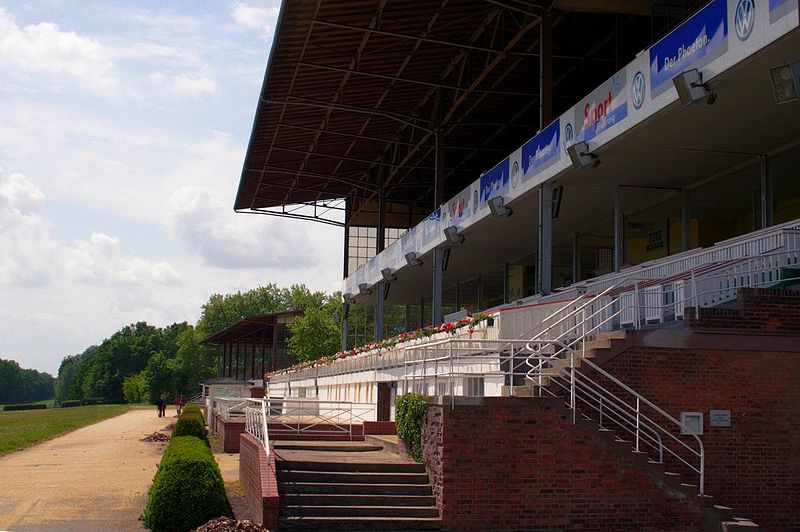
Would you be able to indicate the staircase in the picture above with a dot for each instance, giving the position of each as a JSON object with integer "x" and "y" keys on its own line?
{"x": 341, "y": 491}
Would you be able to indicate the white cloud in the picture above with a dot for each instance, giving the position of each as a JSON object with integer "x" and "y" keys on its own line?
{"x": 23, "y": 233}
{"x": 45, "y": 48}
{"x": 185, "y": 84}
{"x": 256, "y": 17}
{"x": 228, "y": 240}
{"x": 32, "y": 256}
{"x": 99, "y": 260}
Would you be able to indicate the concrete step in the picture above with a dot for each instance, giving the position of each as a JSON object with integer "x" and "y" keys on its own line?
{"x": 351, "y": 499}
{"x": 387, "y": 442}
{"x": 343, "y": 447}
{"x": 354, "y": 488}
{"x": 353, "y": 467}
{"x": 364, "y": 512}
{"x": 324, "y": 524}
{"x": 348, "y": 477}
{"x": 612, "y": 335}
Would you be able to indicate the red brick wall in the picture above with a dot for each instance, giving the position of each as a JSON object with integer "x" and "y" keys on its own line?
{"x": 228, "y": 432}
{"x": 754, "y": 465}
{"x": 761, "y": 311}
{"x": 520, "y": 464}
{"x": 257, "y": 475}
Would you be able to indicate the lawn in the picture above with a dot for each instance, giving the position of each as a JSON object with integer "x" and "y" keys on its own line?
{"x": 28, "y": 427}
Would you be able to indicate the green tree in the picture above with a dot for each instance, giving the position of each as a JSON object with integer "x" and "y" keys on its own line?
{"x": 134, "y": 388}
{"x": 160, "y": 377}
{"x": 20, "y": 385}
{"x": 316, "y": 334}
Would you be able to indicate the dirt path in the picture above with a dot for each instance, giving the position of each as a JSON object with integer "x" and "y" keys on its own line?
{"x": 94, "y": 479}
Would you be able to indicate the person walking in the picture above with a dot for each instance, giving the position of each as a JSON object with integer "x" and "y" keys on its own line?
{"x": 161, "y": 405}
{"x": 179, "y": 403}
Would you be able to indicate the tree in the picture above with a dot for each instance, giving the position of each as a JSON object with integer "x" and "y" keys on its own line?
{"x": 19, "y": 385}
{"x": 315, "y": 334}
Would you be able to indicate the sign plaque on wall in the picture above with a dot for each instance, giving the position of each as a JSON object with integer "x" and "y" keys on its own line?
{"x": 719, "y": 418}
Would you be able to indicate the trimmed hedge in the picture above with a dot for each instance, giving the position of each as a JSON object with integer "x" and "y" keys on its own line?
{"x": 27, "y": 406}
{"x": 409, "y": 417}
{"x": 67, "y": 404}
{"x": 191, "y": 424}
{"x": 187, "y": 490}
{"x": 192, "y": 407}
{"x": 92, "y": 401}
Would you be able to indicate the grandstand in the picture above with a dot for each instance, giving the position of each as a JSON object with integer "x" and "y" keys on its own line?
{"x": 613, "y": 184}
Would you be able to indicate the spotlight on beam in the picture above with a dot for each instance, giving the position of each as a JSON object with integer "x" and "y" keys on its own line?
{"x": 580, "y": 156}
{"x": 453, "y": 236}
{"x": 691, "y": 88}
{"x": 348, "y": 298}
{"x": 388, "y": 276}
{"x": 785, "y": 80}
{"x": 364, "y": 289}
{"x": 498, "y": 207}
{"x": 412, "y": 260}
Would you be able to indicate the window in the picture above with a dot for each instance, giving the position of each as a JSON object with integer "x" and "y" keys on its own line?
{"x": 473, "y": 387}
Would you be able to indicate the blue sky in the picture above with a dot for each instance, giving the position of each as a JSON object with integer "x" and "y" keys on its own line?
{"x": 123, "y": 127}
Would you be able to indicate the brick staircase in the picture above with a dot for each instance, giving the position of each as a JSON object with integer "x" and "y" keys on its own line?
{"x": 334, "y": 492}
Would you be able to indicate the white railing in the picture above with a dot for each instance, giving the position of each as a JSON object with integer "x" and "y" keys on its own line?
{"x": 651, "y": 429}
{"x": 298, "y": 417}
{"x": 256, "y": 422}
{"x": 230, "y": 408}
{"x": 620, "y": 408}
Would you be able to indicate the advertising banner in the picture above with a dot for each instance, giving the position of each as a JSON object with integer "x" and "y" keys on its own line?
{"x": 693, "y": 44}
{"x": 495, "y": 181}
{"x": 541, "y": 151}
{"x": 459, "y": 209}
{"x": 780, "y": 8}
{"x": 605, "y": 107}
{"x": 431, "y": 227}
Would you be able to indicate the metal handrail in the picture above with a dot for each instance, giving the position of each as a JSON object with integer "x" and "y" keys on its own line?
{"x": 256, "y": 422}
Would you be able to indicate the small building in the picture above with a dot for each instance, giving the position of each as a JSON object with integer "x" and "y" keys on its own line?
{"x": 254, "y": 346}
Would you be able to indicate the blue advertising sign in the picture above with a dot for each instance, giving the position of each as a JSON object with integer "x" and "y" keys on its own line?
{"x": 430, "y": 226}
{"x": 693, "y": 44}
{"x": 780, "y": 8}
{"x": 542, "y": 150}
{"x": 602, "y": 109}
{"x": 495, "y": 181}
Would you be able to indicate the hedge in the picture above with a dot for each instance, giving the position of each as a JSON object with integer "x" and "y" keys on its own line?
{"x": 192, "y": 408}
{"x": 66, "y": 404}
{"x": 92, "y": 401}
{"x": 27, "y": 406}
{"x": 187, "y": 490}
{"x": 190, "y": 424}
{"x": 409, "y": 417}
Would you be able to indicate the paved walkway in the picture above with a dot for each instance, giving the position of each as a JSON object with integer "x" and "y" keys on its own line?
{"x": 91, "y": 480}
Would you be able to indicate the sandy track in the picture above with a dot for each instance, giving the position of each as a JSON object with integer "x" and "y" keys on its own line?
{"x": 93, "y": 479}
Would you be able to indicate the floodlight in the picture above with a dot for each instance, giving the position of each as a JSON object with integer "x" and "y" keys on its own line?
{"x": 388, "y": 276}
{"x": 364, "y": 289}
{"x": 348, "y": 298}
{"x": 453, "y": 236}
{"x": 580, "y": 156}
{"x": 691, "y": 88}
{"x": 785, "y": 79}
{"x": 498, "y": 207}
{"x": 412, "y": 260}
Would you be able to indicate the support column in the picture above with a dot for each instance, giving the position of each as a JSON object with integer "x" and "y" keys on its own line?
{"x": 686, "y": 221}
{"x": 618, "y": 230}
{"x": 436, "y": 306}
{"x": 545, "y": 70}
{"x": 766, "y": 193}
{"x": 344, "y": 333}
{"x": 544, "y": 257}
{"x": 380, "y": 244}
{"x": 576, "y": 258}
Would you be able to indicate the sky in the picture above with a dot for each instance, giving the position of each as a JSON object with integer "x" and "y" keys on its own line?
{"x": 123, "y": 128}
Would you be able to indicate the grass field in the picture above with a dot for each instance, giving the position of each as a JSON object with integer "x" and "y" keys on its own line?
{"x": 28, "y": 427}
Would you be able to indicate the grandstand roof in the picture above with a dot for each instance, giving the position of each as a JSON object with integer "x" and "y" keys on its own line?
{"x": 353, "y": 91}
{"x": 247, "y": 326}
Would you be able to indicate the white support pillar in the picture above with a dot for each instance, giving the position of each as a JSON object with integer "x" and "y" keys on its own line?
{"x": 544, "y": 257}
